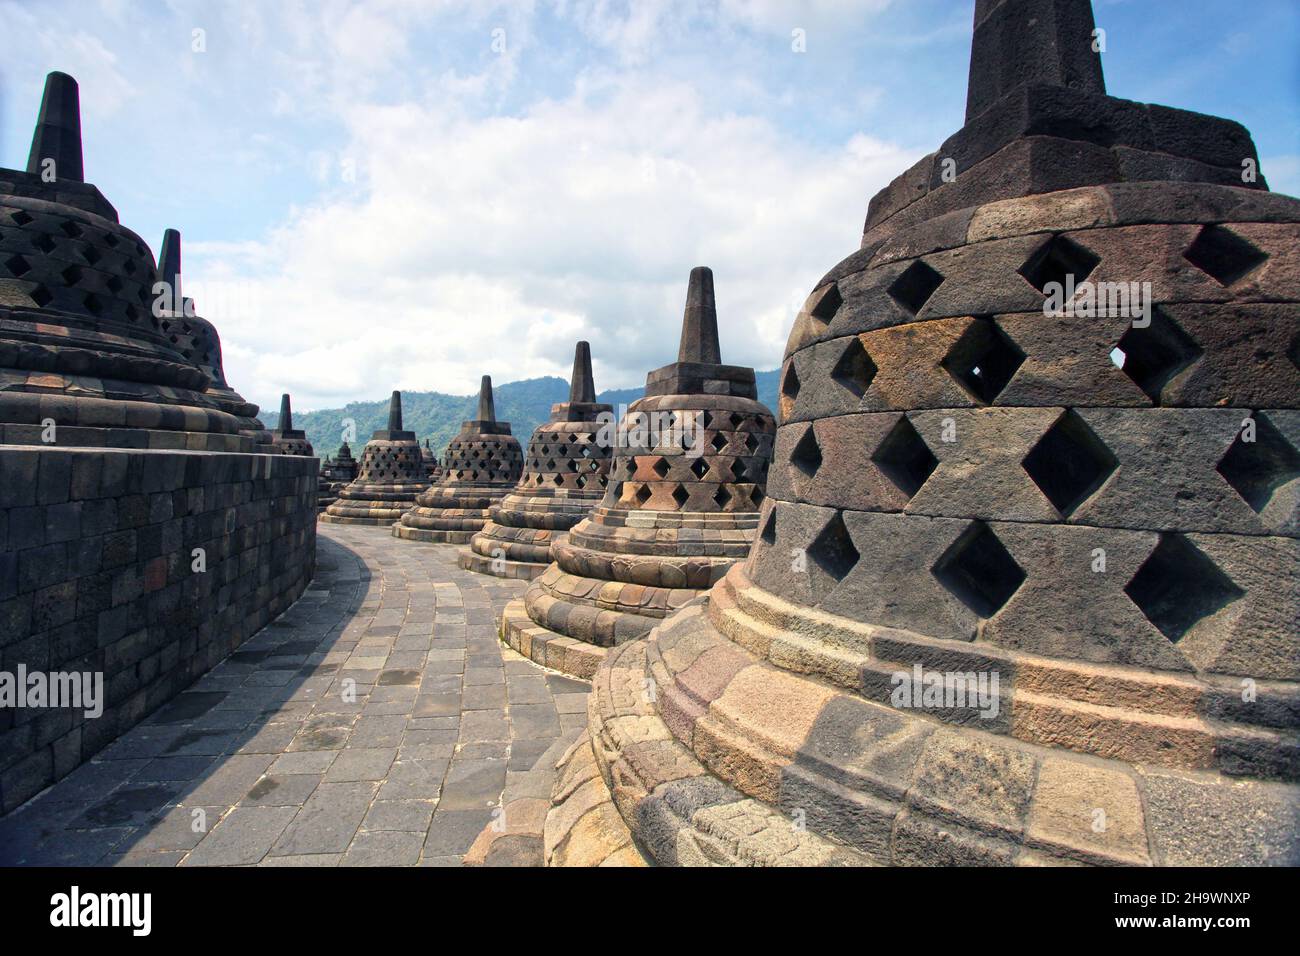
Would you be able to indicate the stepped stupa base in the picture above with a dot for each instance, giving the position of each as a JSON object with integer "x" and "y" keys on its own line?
{"x": 556, "y": 651}
{"x": 761, "y": 712}
{"x": 470, "y": 560}
{"x": 504, "y": 551}
{"x": 432, "y": 536}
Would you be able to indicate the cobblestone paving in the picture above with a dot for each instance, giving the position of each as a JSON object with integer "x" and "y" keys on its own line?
{"x": 266, "y": 760}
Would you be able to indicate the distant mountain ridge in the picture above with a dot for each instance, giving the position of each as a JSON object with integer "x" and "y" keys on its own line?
{"x": 437, "y": 416}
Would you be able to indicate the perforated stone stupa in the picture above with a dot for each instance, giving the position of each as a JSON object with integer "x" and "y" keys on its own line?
{"x": 982, "y": 491}
{"x": 681, "y": 506}
{"x": 290, "y": 440}
{"x": 482, "y": 463}
{"x": 565, "y": 472}
{"x": 197, "y": 339}
{"x": 335, "y": 473}
{"x": 432, "y": 467}
{"x": 390, "y": 475}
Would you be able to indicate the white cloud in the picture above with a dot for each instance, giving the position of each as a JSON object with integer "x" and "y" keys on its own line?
{"x": 490, "y": 244}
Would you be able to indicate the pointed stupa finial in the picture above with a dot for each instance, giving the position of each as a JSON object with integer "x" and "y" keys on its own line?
{"x": 700, "y": 323}
{"x": 487, "y": 411}
{"x": 286, "y": 414}
{"x": 582, "y": 387}
{"x": 1021, "y": 42}
{"x": 169, "y": 265}
{"x": 395, "y": 412}
{"x": 58, "y": 132}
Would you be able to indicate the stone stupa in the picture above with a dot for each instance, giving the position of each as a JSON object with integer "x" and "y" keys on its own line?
{"x": 481, "y": 465}
{"x": 285, "y": 437}
{"x": 565, "y": 471}
{"x": 196, "y": 338}
{"x": 681, "y": 507}
{"x": 335, "y": 473}
{"x": 1098, "y": 511}
{"x": 389, "y": 476}
{"x": 432, "y": 467}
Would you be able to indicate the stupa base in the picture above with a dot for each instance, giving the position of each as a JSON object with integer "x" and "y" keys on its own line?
{"x": 556, "y": 651}
{"x": 468, "y": 560}
{"x": 715, "y": 754}
{"x": 432, "y": 536}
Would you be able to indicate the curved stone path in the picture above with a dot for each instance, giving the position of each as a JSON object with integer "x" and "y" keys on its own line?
{"x": 378, "y": 721}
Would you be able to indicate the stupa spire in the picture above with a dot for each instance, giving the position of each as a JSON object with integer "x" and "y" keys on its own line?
{"x": 700, "y": 322}
{"x": 169, "y": 265}
{"x": 58, "y": 131}
{"x": 286, "y": 414}
{"x": 486, "y": 407}
{"x": 1022, "y": 42}
{"x": 582, "y": 387}
{"x": 395, "y": 412}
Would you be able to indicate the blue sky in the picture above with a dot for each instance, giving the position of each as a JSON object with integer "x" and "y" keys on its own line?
{"x": 409, "y": 194}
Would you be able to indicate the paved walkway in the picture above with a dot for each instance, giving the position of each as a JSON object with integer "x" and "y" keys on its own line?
{"x": 377, "y": 722}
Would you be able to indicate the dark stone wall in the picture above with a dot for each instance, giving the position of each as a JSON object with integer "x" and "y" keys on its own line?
{"x": 96, "y": 574}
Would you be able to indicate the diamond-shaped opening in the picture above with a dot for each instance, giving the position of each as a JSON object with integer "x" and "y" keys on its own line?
{"x": 44, "y": 243}
{"x": 93, "y": 305}
{"x": 1223, "y": 255}
{"x": 110, "y": 240}
{"x": 827, "y": 303}
{"x": 581, "y": 481}
{"x": 719, "y": 441}
{"x": 114, "y": 284}
{"x": 789, "y": 389}
{"x": 70, "y": 229}
{"x": 1069, "y": 463}
{"x": 41, "y": 296}
{"x": 1257, "y": 469}
{"x": 722, "y": 496}
{"x": 768, "y": 534}
{"x": 1178, "y": 587}
{"x": 17, "y": 266}
{"x": 1155, "y": 354}
{"x": 20, "y": 217}
{"x": 904, "y": 458}
{"x": 832, "y": 550}
{"x": 807, "y": 454}
{"x": 854, "y": 370}
{"x": 983, "y": 360}
{"x": 1057, "y": 259}
{"x": 90, "y": 254}
{"x": 643, "y": 494}
{"x": 979, "y": 571}
{"x": 699, "y": 467}
{"x": 912, "y": 289}
{"x": 738, "y": 470}
{"x": 736, "y": 420}
{"x": 680, "y": 495}
{"x": 72, "y": 275}
{"x": 660, "y": 467}
{"x": 128, "y": 267}
{"x": 751, "y": 442}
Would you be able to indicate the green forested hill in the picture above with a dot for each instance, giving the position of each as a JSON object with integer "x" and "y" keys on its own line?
{"x": 437, "y": 416}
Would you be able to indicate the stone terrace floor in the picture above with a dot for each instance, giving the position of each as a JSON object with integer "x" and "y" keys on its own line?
{"x": 445, "y": 722}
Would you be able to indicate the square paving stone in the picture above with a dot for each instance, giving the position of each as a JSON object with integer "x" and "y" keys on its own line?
{"x": 477, "y": 725}
{"x": 534, "y": 720}
{"x": 130, "y": 805}
{"x": 414, "y": 780}
{"x": 287, "y": 790}
{"x": 328, "y": 820}
{"x": 485, "y": 697}
{"x": 412, "y": 815}
{"x": 371, "y": 732}
{"x": 178, "y": 828}
{"x": 453, "y": 831}
{"x": 306, "y": 761}
{"x": 473, "y": 784}
{"x": 242, "y": 837}
{"x": 384, "y": 848}
{"x": 437, "y": 705}
{"x": 361, "y": 764}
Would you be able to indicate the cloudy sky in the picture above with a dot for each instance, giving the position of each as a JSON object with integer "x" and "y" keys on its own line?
{"x": 382, "y": 194}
